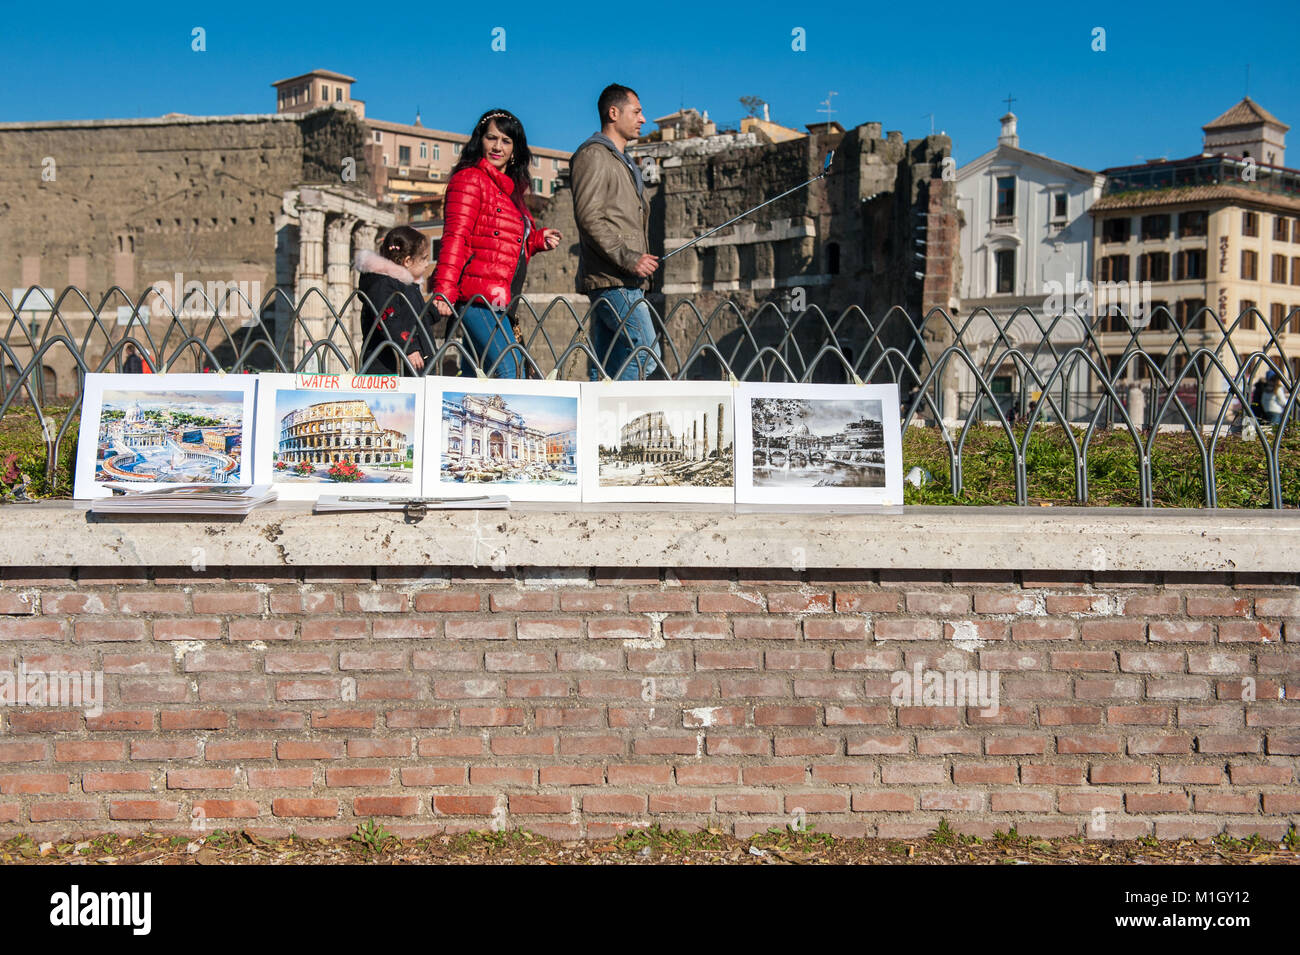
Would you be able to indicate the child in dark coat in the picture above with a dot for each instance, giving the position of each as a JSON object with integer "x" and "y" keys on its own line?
{"x": 390, "y": 282}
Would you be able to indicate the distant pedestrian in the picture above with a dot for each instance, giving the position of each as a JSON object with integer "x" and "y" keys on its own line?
{"x": 1275, "y": 398}
{"x": 132, "y": 363}
{"x": 613, "y": 217}
{"x": 487, "y": 233}
{"x": 393, "y": 310}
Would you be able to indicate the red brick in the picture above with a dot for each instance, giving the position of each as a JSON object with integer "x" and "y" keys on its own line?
{"x": 407, "y": 628}
{"x": 907, "y": 629}
{"x": 570, "y": 775}
{"x": 618, "y": 628}
{"x": 798, "y": 601}
{"x": 1227, "y": 743}
{"x": 273, "y": 630}
{"x": 812, "y": 802}
{"x": 1042, "y": 630}
{"x": 1077, "y": 745}
{"x": 24, "y": 752}
{"x": 309, "y": 749}
{"x": 34, "y": 783}
{"x": 1149, "y": 662}
{"x": 521, "y": 602}
{"x": 343, "y": 719}
{"x": 1152, "y": 605}
{"x": 680, "y": 802}
{"x": 231, "y": 603}
{"x": 1110, "y": 773}
{"x": 1157, "y": 802}
{"x": 1260, "y": 775}
{"x": 924, "y": 773}
{"x": 1161, "y": 744}
{"x": 464, "y": 805}
{"x": 1181, "y": 631}
{"x": 142, "y": 809}
{"x": 878, "y": 801}
{"x": 115, "y": 782}
{"x": 193, "y": 720}
{"x": 636, "y": 775}
{"x": 305, "y": 807}
{"x": 952, "y": 801}
{"x": 227, "y": 808}
{"x": 1114, "y": 630}
{"x": 1051, "y": 775}
{"x": 1089, "y": 800}
{"x": 1020, "y": 802}
{"x": 869, "y": 602}
{"x": 96, "y": 751}
{"x": 52, "y": 810}
{"x": 448, "y": 602}
{"x": 929, "y": 716}
{"x": 433, "y": 776}
{"x": 44, "y": 722}
{"x": 978, "y": 773}
{"x": 1015, "y": 745}
{"x": 394, "y": 748}
{"x": 591, "y": 746}
{"x": 878, "y": 744}
{"x": 806, "y": 746}
{"x": 149, "y": 749}
{"x": 1227, "y": 802}
{"x": 122, "y": 720}
{"x": 530, "y": 804}
{"x": 550, "y": 628}
{"x": 740, "y": 602}
{"x": 621, "y": 803}
{"x": 139, "y": 602}
{"x": 187, "y": 628}
{"x": 367, "y": 776}
{"x": 1012, "y": 660}
{"x": 738, "y": 745}
{"x": 942, "y": 604}
{"x": 946, "y": 745}
{"x": 658, "y": 603}
{"x": 239, "y": 749}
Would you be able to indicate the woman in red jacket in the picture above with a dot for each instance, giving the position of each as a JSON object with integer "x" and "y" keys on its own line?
{"x": 487, "y": 231}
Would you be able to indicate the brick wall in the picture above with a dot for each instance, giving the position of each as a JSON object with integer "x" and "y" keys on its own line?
{"x": 583, "y": 702}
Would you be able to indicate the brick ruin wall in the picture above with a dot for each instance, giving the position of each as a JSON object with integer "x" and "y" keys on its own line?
{"x": 583, "y": 703}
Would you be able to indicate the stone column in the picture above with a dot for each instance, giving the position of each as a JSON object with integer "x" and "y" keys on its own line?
{"x": 310, "y": 275}
{"x": 363, "y": 240}
{"x": 720, "y": 428}
{"x": 338, "y": 275}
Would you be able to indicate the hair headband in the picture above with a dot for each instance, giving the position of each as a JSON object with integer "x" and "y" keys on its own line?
{"x": 491, "y": 116}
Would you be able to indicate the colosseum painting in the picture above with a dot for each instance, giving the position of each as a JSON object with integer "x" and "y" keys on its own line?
{"x": 312, "y": 438}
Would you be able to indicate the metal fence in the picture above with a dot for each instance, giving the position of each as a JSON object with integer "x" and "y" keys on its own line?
{"x": 1023, "y": 373}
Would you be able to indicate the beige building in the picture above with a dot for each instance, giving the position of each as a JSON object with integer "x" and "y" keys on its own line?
{"x": 1220, "y": 230}
{"x": 412, "y": 162}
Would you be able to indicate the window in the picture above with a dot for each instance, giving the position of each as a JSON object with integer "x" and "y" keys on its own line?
{"x": 1295, "y": 231}
{"x": 1060, "y": 205}
{"x": 833, "y": 258}
{"x": 437, "y": 151}
{"x": 1295, "y": 319}
{"x": 1005, "y": 266}
{"x": 1295, "y": 271}
{"x": 1006, "y": 197}
{"x": 403, "y": 155}
{"x": 1250, "y": 223}
{"x": 338, "y": 94}
{"x": 1279, "y": 269}
{"x": 1187, "y": 310}
{"x": 1117, "y": 229}
{"x": 1153, "y": 267}
{"x": 1281, "y": 228}
{"x": 379, "y": 137}
{"x": 555, "y": 165}
{"x": 324, "y": 93}
{"x": 1249, "y": 264}
{"x": 537, "y": 186}
{"x": 424, "y": 150}
{"x": 1277, "y": 316}
{"x": 1190, "y": 264}
{"x": 1158, "y": 316}
{"x": 1193, "y": 223}
{"x": 1247, "y": 316}
{"x": 1155, "y": 227}
{"x": 537, "y": 162}
{"x": 1114, "y": 268}
{"x": 455, "y": 149}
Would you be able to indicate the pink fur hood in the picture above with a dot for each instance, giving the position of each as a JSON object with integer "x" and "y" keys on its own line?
{"x": 374, "y": 262}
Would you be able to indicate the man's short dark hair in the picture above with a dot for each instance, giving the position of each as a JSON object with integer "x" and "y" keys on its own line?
{"x": 612, "y": 95}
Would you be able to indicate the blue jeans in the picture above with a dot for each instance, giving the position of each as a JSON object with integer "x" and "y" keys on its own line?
{"x": 490, "y": 334}
{"x": 612, "y": 307}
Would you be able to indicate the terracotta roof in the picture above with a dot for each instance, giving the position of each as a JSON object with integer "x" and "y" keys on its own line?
{"x": 1245, "y": 113}
{"x": 324, "y": 74}
{"x": 1168, "y": 197}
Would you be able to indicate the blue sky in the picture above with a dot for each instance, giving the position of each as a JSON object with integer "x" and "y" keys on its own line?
{"x": 1167, "y": 68}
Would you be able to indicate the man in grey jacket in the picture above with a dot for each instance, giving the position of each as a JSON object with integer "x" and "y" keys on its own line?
{"x": 613, "y": 219}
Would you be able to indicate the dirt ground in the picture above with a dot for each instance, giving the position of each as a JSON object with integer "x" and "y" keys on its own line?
{"x": 371, "y": 845}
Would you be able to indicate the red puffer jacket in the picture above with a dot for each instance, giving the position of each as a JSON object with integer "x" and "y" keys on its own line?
{"x": 481, "y": 236}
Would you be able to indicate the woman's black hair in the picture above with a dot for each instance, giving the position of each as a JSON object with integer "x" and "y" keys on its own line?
{"x": 402, "y": 243}
{"x": 519, "y": 167}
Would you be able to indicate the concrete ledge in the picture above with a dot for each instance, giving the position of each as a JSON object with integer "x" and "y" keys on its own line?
{"x": 65, "y": 534}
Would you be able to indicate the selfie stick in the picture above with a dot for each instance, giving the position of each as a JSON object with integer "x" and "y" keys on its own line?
{"x": 826, "y": 168}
